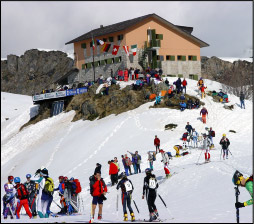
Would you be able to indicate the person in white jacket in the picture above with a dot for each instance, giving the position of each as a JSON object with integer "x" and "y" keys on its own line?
{"x": 195, "y": 138}
{"x": 165, "y": 160}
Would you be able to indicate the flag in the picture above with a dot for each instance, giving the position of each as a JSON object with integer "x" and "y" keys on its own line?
{"x": 93, "y": 43}
{"x": 126, "y": 49}
{"x": 115, "y": 49}
{"x": 134, "y": 49}
{"x": 105, "y": 47}
{"x": 100, "y": 42}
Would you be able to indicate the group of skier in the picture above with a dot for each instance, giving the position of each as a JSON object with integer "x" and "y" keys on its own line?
{"x": 36, "y": 195}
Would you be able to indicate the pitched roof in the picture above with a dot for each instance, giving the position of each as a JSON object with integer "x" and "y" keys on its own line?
{"x": 128, "y": 23}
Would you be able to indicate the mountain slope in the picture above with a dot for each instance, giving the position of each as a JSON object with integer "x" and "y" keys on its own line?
{"x": 195, "y": 194}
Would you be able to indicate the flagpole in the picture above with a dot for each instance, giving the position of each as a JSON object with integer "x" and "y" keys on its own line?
{"x": 93, "y": 58}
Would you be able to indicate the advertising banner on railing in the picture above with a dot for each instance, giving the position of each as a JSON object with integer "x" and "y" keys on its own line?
{"x": 52, "y": 95}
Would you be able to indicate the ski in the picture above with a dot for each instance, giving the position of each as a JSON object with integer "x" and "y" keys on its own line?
{"x": 202, "y": 163}
{"x": 156, "y": 220}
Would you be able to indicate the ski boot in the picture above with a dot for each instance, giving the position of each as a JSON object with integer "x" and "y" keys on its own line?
{"x": 99, "y": 217}
{"x": 156, "y": 213}
{"x": 152, "y": 217}
{"x": 125, "y": 217}
{"x": 91, "y": 220}
{"x": 132, "y": 217}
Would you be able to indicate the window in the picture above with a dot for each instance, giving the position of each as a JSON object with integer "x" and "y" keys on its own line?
{"x": 160, "y": 58}
{"x": 91, "y": 44}
{"x": 109, "y": 61}
{"x": 180, "y": 75}
{"x": 83, "y": 45}
{"x": 192, "y": 58}
{"x": 181, "y": 58}
{"x": 111, "y": 39}
{"x": 159, "y": 36}
{"x": 170, "y": 58}
{"x": 85, "y": 53}
{"x": 102, "y": 62}
{"x": 104, "y": 39}
{"x": 120, "y": 37}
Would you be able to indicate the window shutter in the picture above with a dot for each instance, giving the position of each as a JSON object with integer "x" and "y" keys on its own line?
{"x": 194, "y": 58}
{"x": 159, "y": 36}
{"x": 183, "y": 58}
{"x": 83, "y": 66}
{"x": 102, "y": 62}
{"x": 153, "y": 34}
{"x": 109, "y": 61}
{"x": 172, "y": 58}
{"x": 196, "y": 77}
{"x": 180, "y": 75}
{"x": 83, "y": 45}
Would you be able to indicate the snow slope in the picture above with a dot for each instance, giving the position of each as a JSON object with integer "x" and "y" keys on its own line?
{"x": 195, "y": 194}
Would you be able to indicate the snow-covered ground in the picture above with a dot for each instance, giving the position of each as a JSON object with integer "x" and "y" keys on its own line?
{"x": 198, "y": 194}
{"x": 236, "y": 59}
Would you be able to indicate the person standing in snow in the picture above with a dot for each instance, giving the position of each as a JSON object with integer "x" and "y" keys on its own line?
{"x": 113, "y": 172}
{"x": 61, "y": 188}
{"x": 127, "y": 188}
{"x": 150, "y": 159}
{"x": 128, "y": 163}
{"x": 22, "y": 195}
{"x": 184, "y": 84}
{"x": 150, "y": 190}
{"x": 204, "y": 112}
{"x": 184, "y": 138}
{"x": 206, "y": 147}
{"x": 188, "y": 127}
{"x": 211, "y": 135}
{"x": 9, "y": 198}
{"x": 195, "y": 137}
{"x": 242, "y": 97}
{"x": 239, "y": 180}
{"x": 157, "y": 143}
{"x": 202, "y": 89}
{"x": 200, "y": 83}
{"x": 165, "y": 160}
{"x": 98, "y": 189}
{"x": 224, "y": 142}
{"x": 32, "y": 188}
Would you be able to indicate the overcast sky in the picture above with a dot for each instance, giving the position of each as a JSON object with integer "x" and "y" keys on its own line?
{"x": 226, "y": 26}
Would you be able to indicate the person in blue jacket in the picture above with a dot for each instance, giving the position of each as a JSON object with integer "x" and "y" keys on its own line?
{"x": 182, "y": 106}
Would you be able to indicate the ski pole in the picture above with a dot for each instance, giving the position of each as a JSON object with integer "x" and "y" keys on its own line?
{"x": 57, "y": 204}
{"x": 166, "y": 206}
{"x": 237, "y": 193}
{"x": 199, "y": 157}
{"x": 136, "y": 206}
{"x": 231, "y": 153}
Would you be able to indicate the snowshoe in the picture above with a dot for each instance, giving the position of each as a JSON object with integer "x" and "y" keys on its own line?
{"x": 99, "y": 217}
{"x": 125, "y": 217}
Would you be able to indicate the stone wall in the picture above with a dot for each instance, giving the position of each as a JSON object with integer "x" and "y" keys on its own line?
{"x": 181, "y": 67}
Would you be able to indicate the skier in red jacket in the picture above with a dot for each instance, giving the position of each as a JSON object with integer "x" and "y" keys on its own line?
{"x": 98, "y": 189}
{"x": 157, "y": 143}
{"x": 113, "y": 172}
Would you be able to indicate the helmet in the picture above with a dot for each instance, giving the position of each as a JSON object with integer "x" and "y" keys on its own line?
{"x": 16, "y": 180}
{"x": 224, "y": 135}
{"x": 60, "y": 177}
{"x": 148, "y": 170}
{"x": 237, "y": 177}
{"x": 28, "y": 176}
{"x": 10, "y": 178}
{"x": 72, "y": 178}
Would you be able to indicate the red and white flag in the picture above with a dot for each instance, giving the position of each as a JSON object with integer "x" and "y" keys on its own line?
{"x": 115, "y": 49}
{"x": 126, "y": 49}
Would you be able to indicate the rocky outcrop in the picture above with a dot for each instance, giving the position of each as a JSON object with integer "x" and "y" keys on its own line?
{"x": 34, "y": 71}
{"x": 236, "y": 74}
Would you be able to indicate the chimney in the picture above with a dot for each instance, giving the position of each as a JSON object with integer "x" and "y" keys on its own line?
{"x": 101, "y": 26}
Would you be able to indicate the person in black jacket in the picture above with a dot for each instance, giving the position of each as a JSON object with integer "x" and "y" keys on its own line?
{"x": 127, "y": 188}
{"x": 224, "y": 142}
{"x": 97, "y": 168}
{"x": 149, "y": 189}
{"x": 242, "y": 99}
{"x": 189, "y": 128}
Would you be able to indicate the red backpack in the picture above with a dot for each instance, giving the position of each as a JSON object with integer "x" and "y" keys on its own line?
{"x": 78, "y": 189}
{"x": 22, "y": 192}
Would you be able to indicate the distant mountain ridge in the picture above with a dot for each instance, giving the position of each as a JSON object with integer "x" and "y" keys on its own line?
{"x": 39, "y": 69}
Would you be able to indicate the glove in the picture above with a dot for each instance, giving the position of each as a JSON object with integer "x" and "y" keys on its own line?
{"x": 239, "y": 205}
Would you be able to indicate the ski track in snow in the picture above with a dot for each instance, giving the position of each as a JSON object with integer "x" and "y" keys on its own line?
{"x": 187, "y": 191}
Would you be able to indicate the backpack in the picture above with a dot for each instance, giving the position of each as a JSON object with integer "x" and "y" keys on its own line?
{"x": 213, "y": 133}
{"x": 152, "y": 183}
{"x": 78, "y": 189}
{"x": 49, "y": 186}
{"x": 22, "y": 192}
{"x": 128, "y": 186}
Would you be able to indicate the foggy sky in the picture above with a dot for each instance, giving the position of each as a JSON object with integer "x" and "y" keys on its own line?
{"x": 226, "y": 26}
